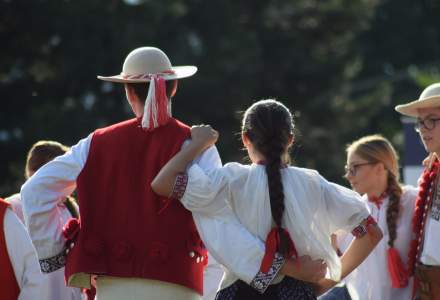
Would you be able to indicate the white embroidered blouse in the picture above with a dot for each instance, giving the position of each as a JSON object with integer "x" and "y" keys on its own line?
{"x": 371, "y": 279}
{"x": 314, "y": 208}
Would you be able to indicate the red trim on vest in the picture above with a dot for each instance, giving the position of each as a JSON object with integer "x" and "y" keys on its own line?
{"x": 124, "y": 230}
{"x": 9, "y": 289}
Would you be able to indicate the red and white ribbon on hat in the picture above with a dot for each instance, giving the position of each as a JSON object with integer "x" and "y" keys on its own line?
{"x": 157, "y": 108}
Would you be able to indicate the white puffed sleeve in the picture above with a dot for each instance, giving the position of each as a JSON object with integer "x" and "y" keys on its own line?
{"x": 206, "y": 195}
{"x": 42, "y": 193}
{"x": 23, "y": 259}
{"x": 343, "y": 207}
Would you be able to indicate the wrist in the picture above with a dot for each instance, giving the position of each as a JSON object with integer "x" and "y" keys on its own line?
{"x": 289, "y": 268}
{"x": 197, "y": 145}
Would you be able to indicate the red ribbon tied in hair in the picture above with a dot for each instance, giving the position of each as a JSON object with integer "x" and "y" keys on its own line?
{"x": 71, "y": 229}
{"x": 156, "y": 110}
{"x": 396, "y": 269}
{"x": 273, "y": 245}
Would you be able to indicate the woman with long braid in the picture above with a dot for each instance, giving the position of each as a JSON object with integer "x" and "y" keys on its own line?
{"x": 294, "y": 210}
{"x": 373, "y": 171}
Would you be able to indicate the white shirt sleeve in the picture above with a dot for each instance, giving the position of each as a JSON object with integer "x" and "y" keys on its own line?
{"x": 23, "y": 259}
{"x": 42, "y": 193}
{"x": 206, "y": 194}
{"x": 219, "y": 227}
{"x": 344, "y": 207}
{"x": 15, "y": 203}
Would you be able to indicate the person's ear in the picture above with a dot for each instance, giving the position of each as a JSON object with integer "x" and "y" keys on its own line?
{"x": 245, "y": 139}
{"x": 174, "y": 89}
{"x": 380, "y": 168}
{"x": 131, "y": 95}
{"x": 133, "y": 100}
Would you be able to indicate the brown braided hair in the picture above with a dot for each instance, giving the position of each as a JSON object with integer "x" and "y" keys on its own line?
{"x": 377, "y": 149}
{"x": 394, "y": 191}
{"x": 268, "y": 125}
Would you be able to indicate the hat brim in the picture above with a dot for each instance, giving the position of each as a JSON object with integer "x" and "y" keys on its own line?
{"x": 412, "y": 109}
{"x": 179, "y": 72}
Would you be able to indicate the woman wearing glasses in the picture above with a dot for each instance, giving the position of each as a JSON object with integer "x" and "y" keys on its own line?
{"x": 372, "y": 170}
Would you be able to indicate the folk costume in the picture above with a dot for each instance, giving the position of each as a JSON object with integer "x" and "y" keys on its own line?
{"x": 138, "y": 243}
{"x": 57, "y": 288}
{"x": 424, "y": 254}
{"x": 373, "y": 279}
{"x": 314, "y": 208}
{"x": 20, "y": 277}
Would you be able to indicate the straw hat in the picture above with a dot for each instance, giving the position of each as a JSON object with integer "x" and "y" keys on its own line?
{"x": 430, "y": 97}
{"x": 150, "y": 64}
{"x": 143, "y": 62}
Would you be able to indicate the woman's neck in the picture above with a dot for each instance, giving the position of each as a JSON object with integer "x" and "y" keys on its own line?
{"x": 378, "y": 189}
{"x": 257, "y": 158}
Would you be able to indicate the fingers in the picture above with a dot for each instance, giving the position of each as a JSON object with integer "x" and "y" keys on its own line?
{"x": 204, "y": 133}
{"x": 321, "y": 269}
{"x": 201, "y": 126}
{"x": 317, "y": 268}
{"x": 321, "y": 273}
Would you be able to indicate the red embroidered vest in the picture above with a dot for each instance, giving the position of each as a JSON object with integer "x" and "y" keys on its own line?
{"x": 9, "y": 289}
{"x": 126, "y": 229}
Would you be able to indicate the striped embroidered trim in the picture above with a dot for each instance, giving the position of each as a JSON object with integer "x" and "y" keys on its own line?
{"x": 262, "y": 280}
{"x": 179, "y": 186}
{"x": 147, "y": 75}
{"x": 53, "y": 263}
{"x": 362, "y": 229}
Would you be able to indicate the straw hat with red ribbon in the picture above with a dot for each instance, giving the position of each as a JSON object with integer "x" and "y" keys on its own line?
{"x": 150, "y": 64}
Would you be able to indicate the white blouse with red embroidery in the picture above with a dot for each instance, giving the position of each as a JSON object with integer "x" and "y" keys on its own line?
{"x": 314, "y": 208}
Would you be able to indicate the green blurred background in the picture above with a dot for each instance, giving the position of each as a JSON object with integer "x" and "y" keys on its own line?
{"x": 341, "y": 66}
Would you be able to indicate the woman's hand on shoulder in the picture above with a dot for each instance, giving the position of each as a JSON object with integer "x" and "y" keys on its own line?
{"x": 305, "y": 269}
{"x": 204, "y": 136}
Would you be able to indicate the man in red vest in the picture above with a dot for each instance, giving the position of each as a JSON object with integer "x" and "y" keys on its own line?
{"x": 20, "y": 277}
{"x": 424, "y": 254}
{"x": 138, "y": 243}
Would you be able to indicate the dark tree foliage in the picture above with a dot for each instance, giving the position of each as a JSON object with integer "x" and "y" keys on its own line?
{"x": 341, "y": 65}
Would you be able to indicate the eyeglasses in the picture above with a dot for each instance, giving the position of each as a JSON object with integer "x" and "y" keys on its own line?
{"x": 428, "y": 124}
{"x": 352, "y": 170}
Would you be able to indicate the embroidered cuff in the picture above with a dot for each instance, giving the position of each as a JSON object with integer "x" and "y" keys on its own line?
{"x": 179, "y": 186}
{"x": 53, "y": 263}
{"x": 362, "y": 229}
{"x": 262, "y": 280}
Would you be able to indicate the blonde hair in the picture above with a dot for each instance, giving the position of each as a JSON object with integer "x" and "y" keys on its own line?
{"x": 377, "y": 149}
